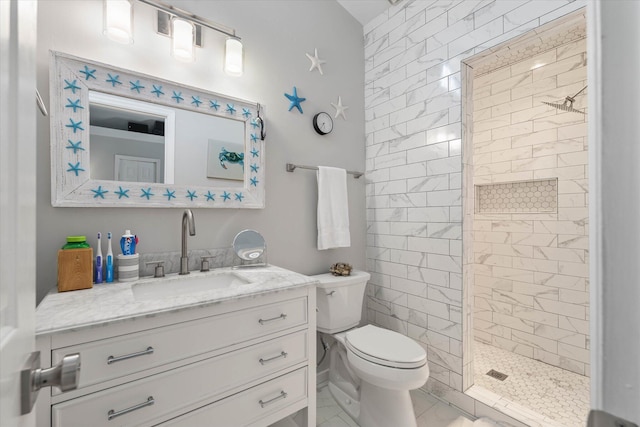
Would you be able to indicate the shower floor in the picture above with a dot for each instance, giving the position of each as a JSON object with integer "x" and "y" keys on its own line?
{"x": 551, "y": 392}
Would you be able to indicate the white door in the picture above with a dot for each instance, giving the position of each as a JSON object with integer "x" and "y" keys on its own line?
{"x": 17, "y": 201}
{"x": 136, "y": 169}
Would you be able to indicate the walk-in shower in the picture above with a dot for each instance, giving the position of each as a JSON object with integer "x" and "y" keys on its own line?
{"x": 525, "y": 226}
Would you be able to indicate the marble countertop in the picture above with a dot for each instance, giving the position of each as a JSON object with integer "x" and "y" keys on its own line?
{"x": 111, "y": 302}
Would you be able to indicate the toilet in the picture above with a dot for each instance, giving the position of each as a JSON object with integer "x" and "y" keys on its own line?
{"x": 371, "y": 369}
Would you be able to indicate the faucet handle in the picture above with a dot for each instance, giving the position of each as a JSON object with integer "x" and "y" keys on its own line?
{"x": 159, "y": 270}
{"x": 204, "y": 263}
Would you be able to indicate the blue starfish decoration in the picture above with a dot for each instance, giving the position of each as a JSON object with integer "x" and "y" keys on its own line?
{"x": 239, "y": 196}
{"x": 254, "y": 152}
{"x": 214, "y": 104}
{"x": 157, "y": 90}
{"x": 146, "y": 193}
{"x": 75, "y": 125}
{"x": 114, "y": 80}
{"x": 230, "y": 109}
{"x": 254, "y": 181}
{"x": 74, "y": 104}
{"x": 75, "y": 168}
{"x": 136, "y": 86}
{"x": 88, "y": 73}
{"x": 122, "y": 193}
{"x": 210, "y": 196}
{"x": 177, "y": 96}
{"x": 72, "y": 85}
{"x": 295, "y": 100}
{"x": 226, "y": 196}
{"x": 170, "y": 194}
{"x": 99, "y": 192}
{"x": 75, "y": 146}
{"x": 191, "y": 195}
{"x": 254, "y": 168}
{"x": 196, "y": 100}
{"x": 254, "y": 137}
{"x": 246, "y": 113}
{"x": 254, "y": 124}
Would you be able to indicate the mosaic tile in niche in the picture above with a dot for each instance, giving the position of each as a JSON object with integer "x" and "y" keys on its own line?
{"x": 518, "y": 197}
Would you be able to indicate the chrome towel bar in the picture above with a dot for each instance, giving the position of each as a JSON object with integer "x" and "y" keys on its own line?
{"x": 291, "y": 167}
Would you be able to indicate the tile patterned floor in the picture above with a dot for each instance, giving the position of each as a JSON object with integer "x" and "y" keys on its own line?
{"x": 555, "y": 393}
{"x": 430, "y": 412}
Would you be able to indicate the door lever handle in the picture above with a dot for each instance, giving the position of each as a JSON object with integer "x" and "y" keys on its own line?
{"x": 65, "y": 375}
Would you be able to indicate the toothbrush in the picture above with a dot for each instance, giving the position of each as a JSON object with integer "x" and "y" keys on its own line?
{"x": 99, "y": 260}
{"x": 109, "y": 275}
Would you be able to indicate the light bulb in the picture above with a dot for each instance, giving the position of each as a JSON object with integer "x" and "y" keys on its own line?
{"x": 182, "y": 44}
{"x": 233, "y": 61}
{"x": 118, "y": 22}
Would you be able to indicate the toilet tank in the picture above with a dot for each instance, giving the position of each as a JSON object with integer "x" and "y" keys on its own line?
{"x": 339, "y": 300}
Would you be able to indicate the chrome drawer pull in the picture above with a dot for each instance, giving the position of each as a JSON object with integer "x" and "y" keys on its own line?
{"x": 281, "y": 317}
{"x": 271, "y": 359}
{"x": 112, "y": 359}
{"x": 330, "y": 294}
{"x": 270, "y": 401}
{"x": 113, "y": 414}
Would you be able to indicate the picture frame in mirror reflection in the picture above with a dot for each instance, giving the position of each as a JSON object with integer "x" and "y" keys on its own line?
{"x": 183, "y": 122}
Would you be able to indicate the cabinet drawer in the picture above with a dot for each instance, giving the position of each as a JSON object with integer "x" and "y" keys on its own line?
{"x": 119, "y": 356}
{"x": 172, "y": 391}
{"x": 249, "y": 406}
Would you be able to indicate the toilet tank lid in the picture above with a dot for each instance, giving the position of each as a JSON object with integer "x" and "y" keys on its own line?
{"x": 329, "y": 280}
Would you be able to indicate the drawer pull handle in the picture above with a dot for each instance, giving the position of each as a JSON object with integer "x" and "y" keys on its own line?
{"x": 271, "y": 359}
{"x": 113, "y": 414}
{"x": 281, "y": 317}
{"x": 282, "y": 395}
{"x": 330, "y": 294}
{"x": 112, "y": 359}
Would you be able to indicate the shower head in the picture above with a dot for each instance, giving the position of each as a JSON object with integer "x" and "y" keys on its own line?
{"x": 567, "y": 105}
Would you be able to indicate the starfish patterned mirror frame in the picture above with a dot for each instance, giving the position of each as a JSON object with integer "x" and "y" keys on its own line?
{"x": 76, "y": 82}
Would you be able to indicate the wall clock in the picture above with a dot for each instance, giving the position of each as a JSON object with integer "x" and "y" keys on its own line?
{"x": 322, "y": 123}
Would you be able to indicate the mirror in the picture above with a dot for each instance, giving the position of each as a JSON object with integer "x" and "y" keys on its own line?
{"x": 249, "y": 245}
{"x": 120, "y": 138}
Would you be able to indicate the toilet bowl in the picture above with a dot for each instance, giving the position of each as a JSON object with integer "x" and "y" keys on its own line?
{"x": 372, "y": 369}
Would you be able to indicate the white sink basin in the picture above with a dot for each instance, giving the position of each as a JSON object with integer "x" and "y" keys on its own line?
{"x": 185, "y": 285}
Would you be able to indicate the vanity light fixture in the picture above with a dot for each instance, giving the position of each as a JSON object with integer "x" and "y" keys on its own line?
{"x": 233, "y": 64}
{"x": 233, "y": 61}
{"x": 118, "y": 22}
{"x": 182, "y": 42}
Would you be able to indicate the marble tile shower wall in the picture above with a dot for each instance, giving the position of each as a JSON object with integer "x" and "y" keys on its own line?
{"x": 413, "y": 163}
{"x": 531, "y": 270}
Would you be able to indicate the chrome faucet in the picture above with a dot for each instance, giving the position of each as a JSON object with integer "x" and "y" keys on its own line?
{"x": 187, "y": 219}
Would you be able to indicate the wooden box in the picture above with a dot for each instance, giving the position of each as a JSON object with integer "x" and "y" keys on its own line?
{"x": 75, "y": 269}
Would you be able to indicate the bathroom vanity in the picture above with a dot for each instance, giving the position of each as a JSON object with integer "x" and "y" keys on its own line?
{"x": 241, "y": 352}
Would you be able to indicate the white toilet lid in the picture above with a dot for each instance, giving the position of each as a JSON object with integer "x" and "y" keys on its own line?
{"x": 385, "y": 347}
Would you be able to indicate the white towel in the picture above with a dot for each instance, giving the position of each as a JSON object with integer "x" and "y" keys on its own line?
{"x": 333, "y": 208}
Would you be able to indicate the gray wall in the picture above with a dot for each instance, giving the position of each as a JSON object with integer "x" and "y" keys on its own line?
{"x": 276, "y": 35}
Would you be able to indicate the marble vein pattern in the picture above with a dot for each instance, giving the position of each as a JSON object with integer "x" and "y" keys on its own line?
{"x": 113, "y": 302}
{"x": 434, "y": 78}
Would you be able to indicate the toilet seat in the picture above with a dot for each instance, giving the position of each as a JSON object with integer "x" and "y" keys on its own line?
{"x": 385, "y": 347}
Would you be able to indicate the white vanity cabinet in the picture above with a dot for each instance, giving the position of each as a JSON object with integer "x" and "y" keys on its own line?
{"x": 245, "y": 362}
